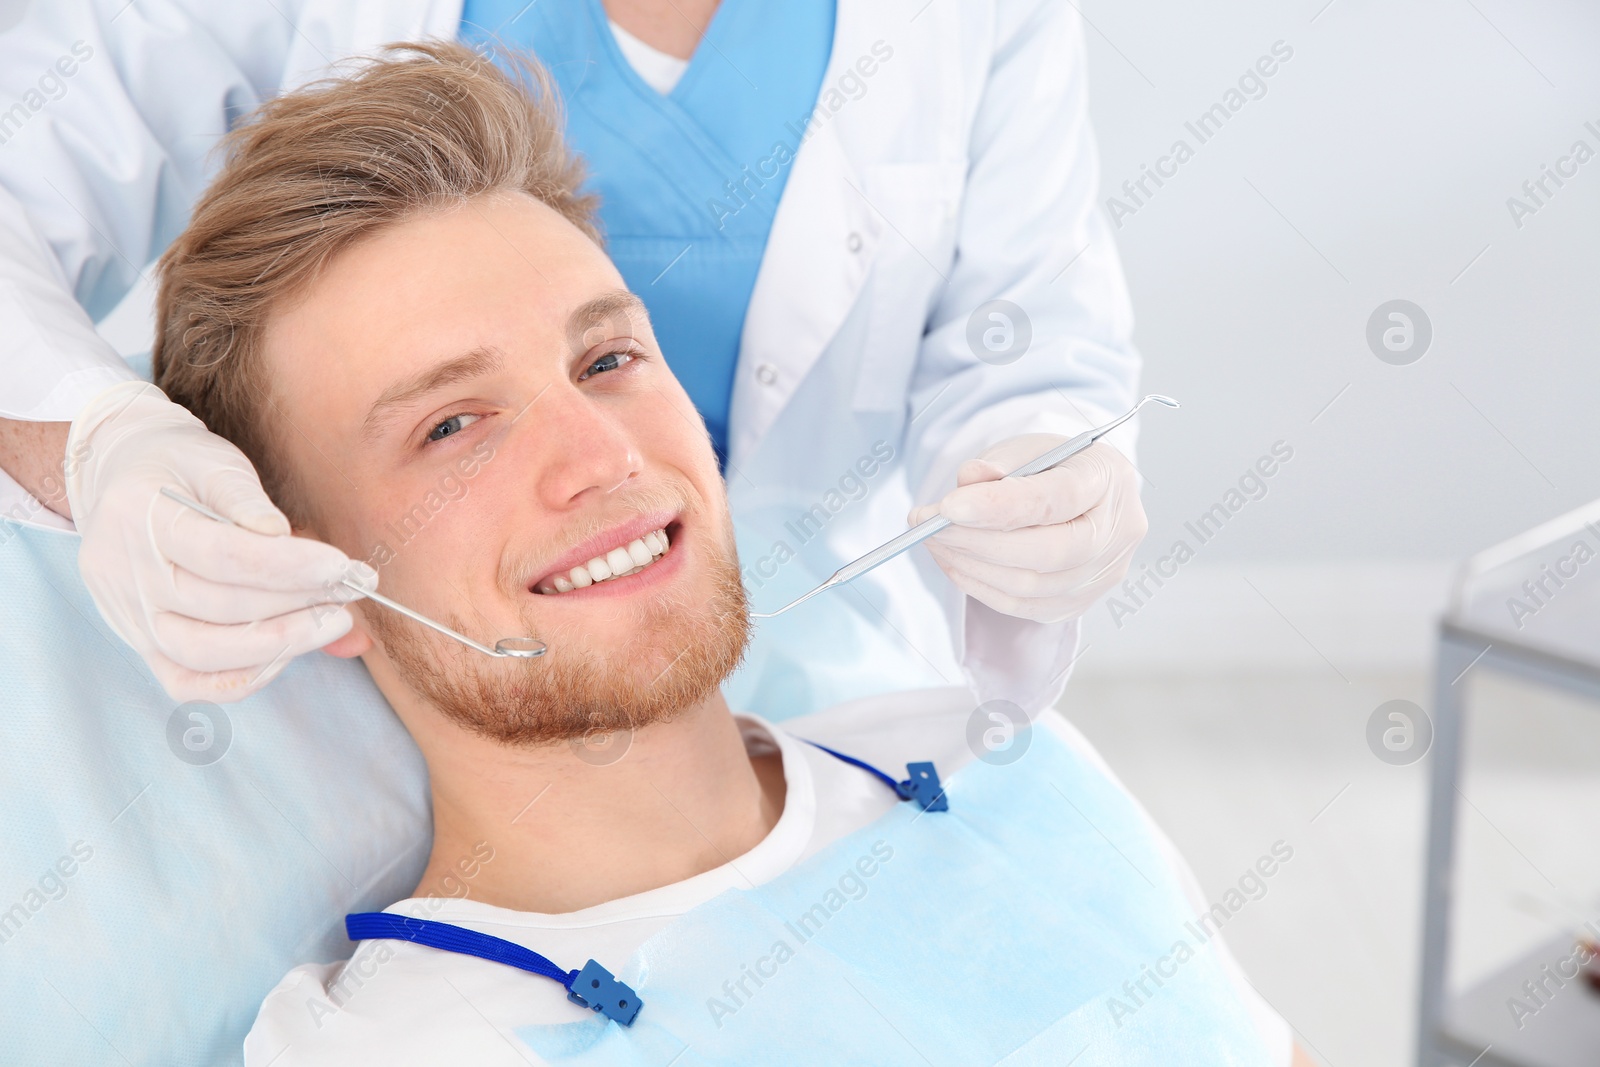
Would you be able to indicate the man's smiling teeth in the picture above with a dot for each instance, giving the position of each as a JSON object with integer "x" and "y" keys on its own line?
{"x": 631, "y": 558}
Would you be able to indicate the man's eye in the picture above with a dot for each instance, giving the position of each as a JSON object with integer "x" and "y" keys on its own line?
{"x": 453, "y": 425}
{"x": 608, "y": 362}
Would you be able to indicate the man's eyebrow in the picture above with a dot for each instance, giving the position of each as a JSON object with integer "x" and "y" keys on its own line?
{"x": 598, "y": 311}
{"x": 474, "y": 364}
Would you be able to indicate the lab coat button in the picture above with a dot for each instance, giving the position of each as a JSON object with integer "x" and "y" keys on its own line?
{"x": 767, "y": 374}
{"x": 853, "y": 242}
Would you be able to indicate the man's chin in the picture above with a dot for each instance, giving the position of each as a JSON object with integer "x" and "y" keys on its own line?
{"x": 657, "y": 661}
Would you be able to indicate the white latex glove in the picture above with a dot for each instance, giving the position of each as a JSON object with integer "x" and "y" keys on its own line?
{"x": 1043, "y": 547}
{"x": 217, "y": 611}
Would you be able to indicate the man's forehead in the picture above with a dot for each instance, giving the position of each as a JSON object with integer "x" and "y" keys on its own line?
{"x": 430, "y": 300}
{"x": 495, "y": 255}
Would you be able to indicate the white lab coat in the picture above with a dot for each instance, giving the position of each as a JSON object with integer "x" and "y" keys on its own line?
{"x": 960, "y": 171}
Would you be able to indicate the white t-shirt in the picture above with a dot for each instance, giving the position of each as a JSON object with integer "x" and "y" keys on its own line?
{"x": 656, "y": 68}
{"x": 399, "y": 1003}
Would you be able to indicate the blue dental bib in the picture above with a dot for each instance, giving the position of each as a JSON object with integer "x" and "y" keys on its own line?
{"x": 1007, "y": 929}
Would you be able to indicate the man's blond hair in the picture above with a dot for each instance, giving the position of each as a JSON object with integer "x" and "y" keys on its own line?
{"x": 422, "y": 127}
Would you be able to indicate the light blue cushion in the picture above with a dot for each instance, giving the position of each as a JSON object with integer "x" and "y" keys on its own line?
{"x": 149, "y": 899}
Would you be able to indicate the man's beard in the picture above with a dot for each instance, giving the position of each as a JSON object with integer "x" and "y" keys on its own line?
{"x": 676, "y": 654}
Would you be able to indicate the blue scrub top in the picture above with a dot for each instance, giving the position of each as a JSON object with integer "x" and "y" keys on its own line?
{"x": 689, "y": 182}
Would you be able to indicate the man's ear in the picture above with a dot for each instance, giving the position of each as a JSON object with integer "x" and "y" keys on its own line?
{"x": 357, "y": 640}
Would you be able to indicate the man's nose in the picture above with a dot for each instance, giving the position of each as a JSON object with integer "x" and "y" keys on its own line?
{"x": 583, "y": 449}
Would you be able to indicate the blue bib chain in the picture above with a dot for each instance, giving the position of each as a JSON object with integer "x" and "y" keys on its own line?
{"x": 592, "y": 986}
{"x": 923, "y": 785}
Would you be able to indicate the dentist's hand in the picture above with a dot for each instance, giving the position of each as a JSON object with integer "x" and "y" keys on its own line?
{"x": 1043, "y": 547}
{"x": 217, "y": 611}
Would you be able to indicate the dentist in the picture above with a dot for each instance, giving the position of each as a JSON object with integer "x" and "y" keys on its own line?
{"x": 866, "y": 235}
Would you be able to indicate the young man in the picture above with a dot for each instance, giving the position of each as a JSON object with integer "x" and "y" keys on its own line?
{"x": 393, "y": 300}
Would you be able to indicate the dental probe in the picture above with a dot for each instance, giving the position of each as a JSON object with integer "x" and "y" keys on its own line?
{"x": 513, "y": 647}
{"x": 924, "y": 530}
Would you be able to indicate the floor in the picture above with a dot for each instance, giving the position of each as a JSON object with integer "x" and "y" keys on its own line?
{"x": 1230, "y": 764}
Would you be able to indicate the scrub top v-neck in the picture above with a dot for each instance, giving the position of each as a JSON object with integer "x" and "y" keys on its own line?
{"x": 689, "y": 181}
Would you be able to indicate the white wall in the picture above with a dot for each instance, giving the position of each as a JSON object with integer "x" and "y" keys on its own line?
{"x": 1377, "y": 165}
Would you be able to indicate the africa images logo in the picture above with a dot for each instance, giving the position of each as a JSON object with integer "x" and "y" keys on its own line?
{"x": 199, "y": 732}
